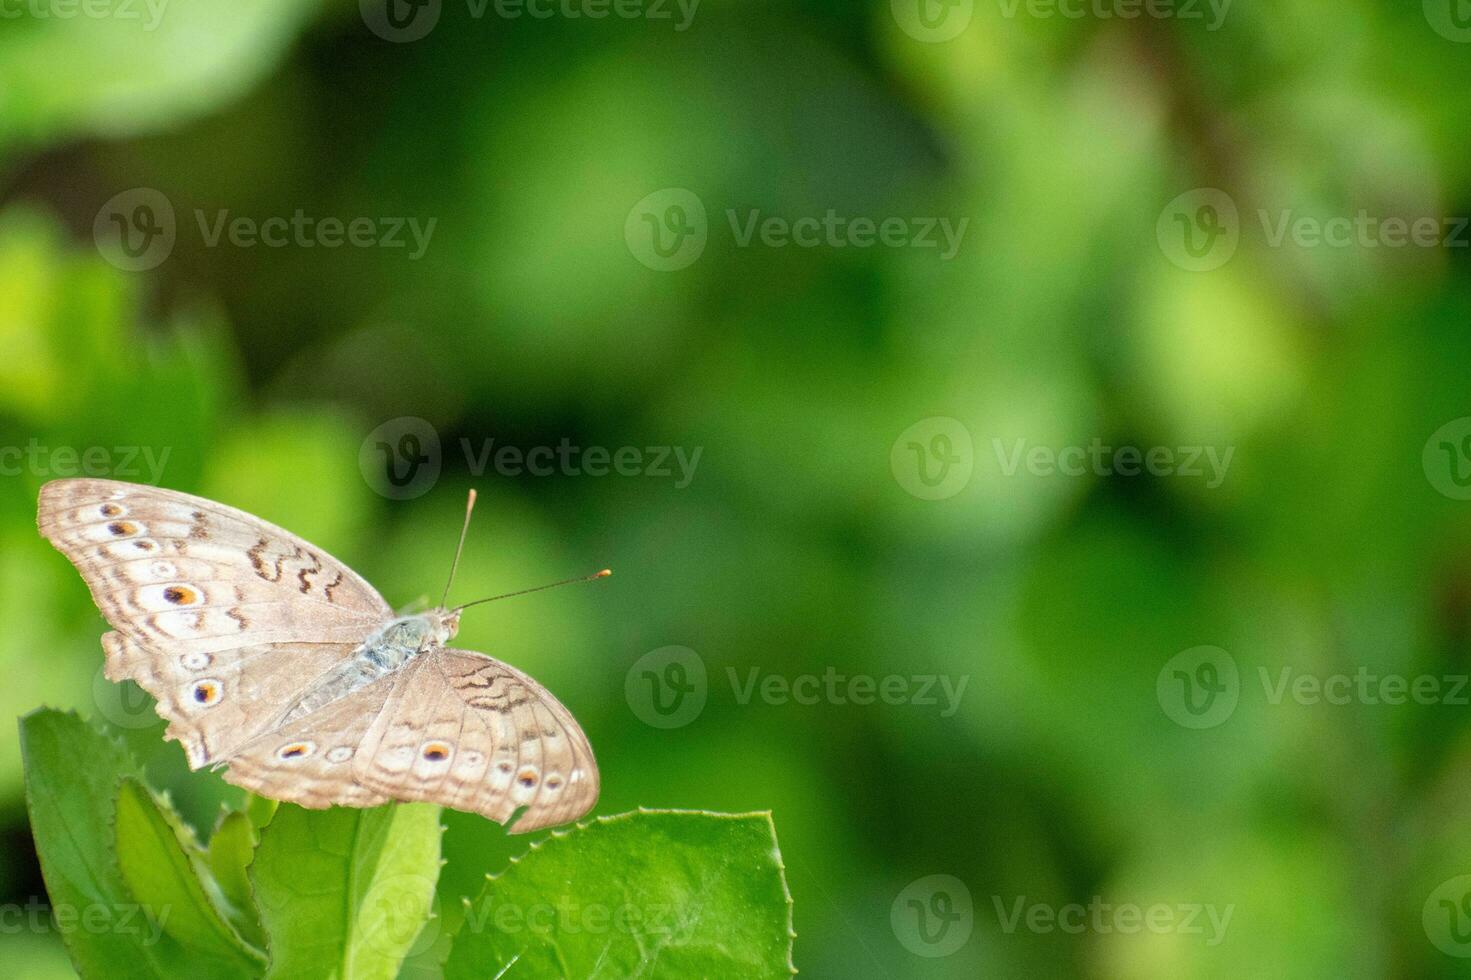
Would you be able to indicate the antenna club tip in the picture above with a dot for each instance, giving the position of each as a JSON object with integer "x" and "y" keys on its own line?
{"x": 472, "y": 495}
{"x": 604, "y": 573}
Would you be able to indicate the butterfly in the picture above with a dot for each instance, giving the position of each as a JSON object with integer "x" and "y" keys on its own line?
{"x": 269, "y": 657}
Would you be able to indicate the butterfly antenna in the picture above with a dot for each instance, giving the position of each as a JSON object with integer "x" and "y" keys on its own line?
{"x": 540, "y": 588}
{"x": 464, "y": 530}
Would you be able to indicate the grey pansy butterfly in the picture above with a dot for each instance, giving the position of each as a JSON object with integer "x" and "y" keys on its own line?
{"x": 270, "y": 657}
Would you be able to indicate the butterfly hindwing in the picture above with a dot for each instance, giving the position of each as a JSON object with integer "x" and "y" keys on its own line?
{"x": 469, "y": 732}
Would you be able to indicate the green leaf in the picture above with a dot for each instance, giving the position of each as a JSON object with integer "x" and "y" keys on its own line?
{"x": 647, "y": 894}
{"x": 159, "y": 64}
{"x": 344, "y": 893}
{"x": 72, "y": 778}
{"x": 231, "y": 847}
{"x": 165, "y": 870}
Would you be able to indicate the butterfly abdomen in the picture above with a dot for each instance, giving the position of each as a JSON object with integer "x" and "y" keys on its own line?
{"x": 383, "y": 653}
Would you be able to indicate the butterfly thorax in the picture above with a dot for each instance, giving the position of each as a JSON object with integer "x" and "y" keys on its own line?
{"x": 385, "y": 652}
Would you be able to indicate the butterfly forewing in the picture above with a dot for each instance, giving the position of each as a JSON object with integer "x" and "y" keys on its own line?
{"x": 227, "y": 620}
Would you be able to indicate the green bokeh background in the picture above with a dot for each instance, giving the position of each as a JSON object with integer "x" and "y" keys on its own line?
{"x": 795, "y": 548}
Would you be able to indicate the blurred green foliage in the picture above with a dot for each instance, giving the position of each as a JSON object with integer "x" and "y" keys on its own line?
{"x": 1062, "y": 320}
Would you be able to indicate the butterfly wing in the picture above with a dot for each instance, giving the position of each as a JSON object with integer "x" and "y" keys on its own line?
{"x": 221, "y": 616}
{"x": 309, "y": 761}
{"x": 471, "y": 733}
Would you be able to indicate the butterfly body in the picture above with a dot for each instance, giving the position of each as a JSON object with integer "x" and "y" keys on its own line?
{"x": 383, "y": 653}
{"x": 269, "y": 657}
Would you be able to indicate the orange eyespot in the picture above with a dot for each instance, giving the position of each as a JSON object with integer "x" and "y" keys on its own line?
{"x": 122, "y": 528}
{"x": 526, "y": 777}
{"x": 206, "y": 692}
{"x": 180, "y": 595}
{"x": 109, "y": 510}
{"x": 294, "y": 750}
{"x": 436, "y": 752}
